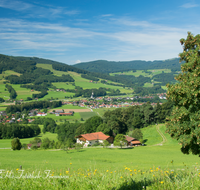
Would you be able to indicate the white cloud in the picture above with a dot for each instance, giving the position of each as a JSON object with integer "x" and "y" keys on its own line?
{"x": 120, "y": 39}
{"x": 78, "y": 61}
{"x": 189, "y": 5}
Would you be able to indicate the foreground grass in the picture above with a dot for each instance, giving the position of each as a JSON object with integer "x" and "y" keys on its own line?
{"x": 143, "y": 157}
{"x": 125, "y": 178}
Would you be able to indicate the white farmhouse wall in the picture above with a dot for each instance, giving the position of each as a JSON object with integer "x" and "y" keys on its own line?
{"x": 88, "y": 142}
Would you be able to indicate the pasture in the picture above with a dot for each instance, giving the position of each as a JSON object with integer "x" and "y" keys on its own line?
{"x": 151, "y": 73}
{"x": 158, "y": 152}
{"x": 158, "y": 165}
{"x": 22, "y": 93}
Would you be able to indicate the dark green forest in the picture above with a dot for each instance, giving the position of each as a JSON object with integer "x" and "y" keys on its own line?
{"x": 8, "y": 131}
{"x": 104, "y": 66}
{"x": 32, "y": 105}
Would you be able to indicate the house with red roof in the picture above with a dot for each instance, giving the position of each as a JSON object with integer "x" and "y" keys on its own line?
{"x": 92, "y": 138}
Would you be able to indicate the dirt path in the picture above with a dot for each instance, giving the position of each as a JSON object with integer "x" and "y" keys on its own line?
{"x": 162, "y": 135}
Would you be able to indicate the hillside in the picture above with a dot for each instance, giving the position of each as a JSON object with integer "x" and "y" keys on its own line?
{"x": 33, "y": 77}
{"x": 104, "y": 66}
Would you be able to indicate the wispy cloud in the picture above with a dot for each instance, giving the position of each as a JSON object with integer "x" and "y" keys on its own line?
{"x": 189, "y": 5}
{"x": 15, "y": 5}
{"x": 109, "y": 38}
{"x": 38, "y": 9}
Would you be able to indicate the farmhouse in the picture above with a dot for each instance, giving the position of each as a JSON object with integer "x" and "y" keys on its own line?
{"x": 132, "y": 141}
{"x": 92, "y": 138}
{"x": 30, "y": 145}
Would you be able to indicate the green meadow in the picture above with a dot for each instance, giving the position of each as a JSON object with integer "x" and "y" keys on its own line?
{"x": 69, "y": 106}
{"x": 156, "y": 153}
{"x": 87, "y": 115}
{"x": 158, "y": 165}
{"x": 22, "y": 93}
{"x": 141, "y": 72}
{"x": 72, "y": 119}
{"x": 57, "y": 95}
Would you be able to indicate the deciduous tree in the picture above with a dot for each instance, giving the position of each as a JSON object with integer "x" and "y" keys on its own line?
{"x": 184, "y": 123}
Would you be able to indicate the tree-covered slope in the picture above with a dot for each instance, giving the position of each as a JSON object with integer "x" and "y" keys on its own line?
{"x": 104, "y": 66}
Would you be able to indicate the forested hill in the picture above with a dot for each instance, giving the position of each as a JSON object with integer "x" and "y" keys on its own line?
{"x": 104, "y": 66}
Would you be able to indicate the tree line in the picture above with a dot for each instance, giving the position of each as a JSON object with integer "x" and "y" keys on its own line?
{"x": 32, "y": 105}
{"x": 11, "y": 90}
{"x": 49, "y": 124}
{"x": 8, "y": 131}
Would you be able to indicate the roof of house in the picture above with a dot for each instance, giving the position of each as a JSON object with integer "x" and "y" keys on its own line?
{"x": 129, "y": 139}
{"x": 94, "y": 136}
{"x": 135, "y": 142}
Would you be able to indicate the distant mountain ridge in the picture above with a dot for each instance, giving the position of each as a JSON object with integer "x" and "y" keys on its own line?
{"x": 104, "y": 66}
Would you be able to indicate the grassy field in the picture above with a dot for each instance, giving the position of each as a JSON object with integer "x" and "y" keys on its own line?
{"x": 143, "y": 157}
{"x": 141, "y": 72}
{"x": 69, "y": 106}
{"x": 101, "y": 111}
{"x": 7, "y": 73}
{"x": 22, "y": 93}
{"x": 159, "y": 165}
{"x": 72, "y": 119}
{"x": 87, "y": 115}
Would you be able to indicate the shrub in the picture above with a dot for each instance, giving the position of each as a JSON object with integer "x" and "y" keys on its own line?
{"x": 16, "y": 144}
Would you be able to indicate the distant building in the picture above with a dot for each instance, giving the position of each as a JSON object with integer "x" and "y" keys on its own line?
{"x": 92, "y": 138}
{"x": 132, "y": 141}
{"x": 92, "y": 96}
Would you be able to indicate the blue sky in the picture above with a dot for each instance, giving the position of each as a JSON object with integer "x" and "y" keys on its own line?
{"x": 74, "y": 31}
